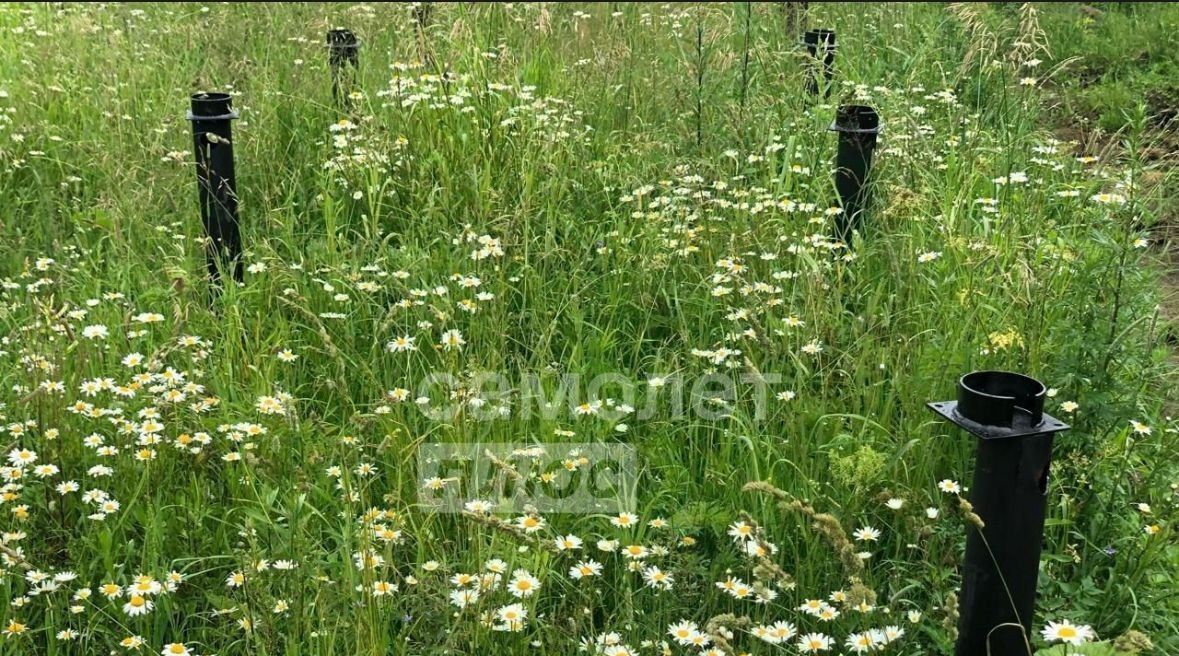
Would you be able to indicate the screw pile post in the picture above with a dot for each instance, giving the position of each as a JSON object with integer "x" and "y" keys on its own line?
{"x": 344, "y": 59}
{"x": 795, "y": 17}
{"x": 820, "y": 45}
{"x": 211, "y": 115}
{"x": 1006, "y": 412}
{"x": 858, "y": 127}
{"x": 422, "y": 13}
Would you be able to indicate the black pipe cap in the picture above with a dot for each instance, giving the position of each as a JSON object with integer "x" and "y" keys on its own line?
{"x": 343, "y": 39}
{"x": 812, "y": 38}
{"x": 859, "y": 119}
{"x": 211, "y": 107}
{"x": 999, "y": 404}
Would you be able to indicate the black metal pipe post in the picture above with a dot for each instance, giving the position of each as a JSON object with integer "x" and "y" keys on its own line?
{"x": 795, "y": 17}
{"x": 421, "y": 12}
{"x": 344, "y": 59}
{"x": 858, "y": 126}
{"x": 212, "y": 142}
{"x": 820, "y": 45}
{"x": 1006, "y": 411}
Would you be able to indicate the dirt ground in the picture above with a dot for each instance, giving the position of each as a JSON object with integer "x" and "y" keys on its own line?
{"x": 1161, "y": 154}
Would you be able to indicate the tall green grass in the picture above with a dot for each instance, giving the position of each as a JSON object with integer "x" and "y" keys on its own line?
{"x": 659, "y": 183}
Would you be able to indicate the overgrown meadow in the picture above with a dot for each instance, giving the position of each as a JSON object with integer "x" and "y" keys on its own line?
{"x": 552, "y": 191}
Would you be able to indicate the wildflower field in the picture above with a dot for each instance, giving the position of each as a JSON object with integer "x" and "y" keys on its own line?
{"x": 587, "y": 233}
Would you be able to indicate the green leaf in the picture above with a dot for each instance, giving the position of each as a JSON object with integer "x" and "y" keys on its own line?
{"x": 1087, "y": 649}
